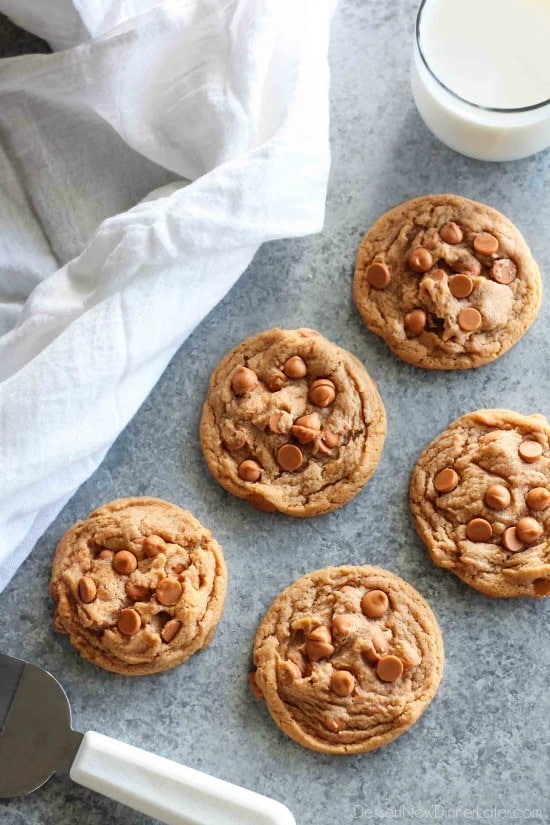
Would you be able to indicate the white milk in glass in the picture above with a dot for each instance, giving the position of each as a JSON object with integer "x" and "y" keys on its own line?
{"x": 481, "y": 75}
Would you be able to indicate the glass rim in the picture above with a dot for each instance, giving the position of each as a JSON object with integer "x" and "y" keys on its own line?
{"x": 517, "y": 109}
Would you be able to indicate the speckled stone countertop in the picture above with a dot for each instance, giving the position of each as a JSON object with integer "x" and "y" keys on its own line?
{"x": 483, "y": 743}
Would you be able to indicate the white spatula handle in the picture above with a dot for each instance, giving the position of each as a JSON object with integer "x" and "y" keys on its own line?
{"x": 168, "y": 791}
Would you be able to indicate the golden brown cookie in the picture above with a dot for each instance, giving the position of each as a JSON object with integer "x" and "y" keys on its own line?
{"x": 292, "y": 423}
{"x": 448, "y": 283}
{"x": 139, "y": 586}
{"x": 347, "y": 659}
{"x": 480, "y": 497}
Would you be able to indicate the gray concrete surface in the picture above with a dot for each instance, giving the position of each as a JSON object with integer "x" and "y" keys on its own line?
{"x": 483, "y": 745}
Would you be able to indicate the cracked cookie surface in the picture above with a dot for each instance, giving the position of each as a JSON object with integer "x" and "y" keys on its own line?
{"x": 139, "y": 586}
{"x": 447, "y": 282}
{"x": 347, "y": 659}
{"x": 480, "y": 497}
{"x": 292, "y": 423}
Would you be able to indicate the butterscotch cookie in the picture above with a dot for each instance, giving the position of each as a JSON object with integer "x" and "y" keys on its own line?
{"x": 292, "y": 423}
{"x": 139, "y": 586}
{"x": 448, "y": 283}
{"x": 480, "y": 497}
{"x": 347, "y": 659}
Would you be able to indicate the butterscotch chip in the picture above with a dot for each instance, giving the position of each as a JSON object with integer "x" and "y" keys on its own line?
{"x": 441, "y": 251}
{"x": 169, "y": 591}
{"x": 105, "y": 555}
{"x": 529, "y": 530}
{"x": 376, "y": 646}
{"x": 342, "y": 682}
{"x": 542, "y": 587}
{"x": 129, "y": 621}
{"x": 322, "y": 392}
{"x": 379, "y": 640}
{"x": 378, "y": 275}
{"x": 171, "y": 630}
{"x": 111, "y": 632}
{"x": 504, "y": 271}
{"x": 87, "y": 589}
{"x": 374, "y": 603}
{"x": 342, "y": 625}
{"x": 274, "y": 383}
{"x": 415, "y": 321}
{"x": 511, "y": 541}
{"x": 249, "y": 470}
{"x": 243, "y": 380}
{"x": 538, "y": 499}
{"x": 290, "y": 457}
{"x": 293, "y": 671}
{"x": 331, "y": 439}
{"x": 321, "y": 634}
{"x": 295, "y": 367}
{"x": 389, "y": 668}
{"x": 153, "y": 545}
{"x": 451, "y": 233}
{"x": 331, "y": 723}
{"x": 461, "y": 285}
{"x": 275, "y": 422}
{"x": 530, "y": 451}
{"x": 235, "y": 441}
{"x": 326, "y": 429}
{"x": 497, "y": 497}
{"x": 137, "y": 592}
{"x": 479, "y": 529}
{"x": 370, "y": 654}
{"x": 485, "y": 244}
{"x": 321, "y": 448}
{"x": 124, "y": 562}
{"x": 469, "y": 319}
{"x": 420, "y": 260}
{"x": 408, "y": 655}
{"x": 505, "y": 557}
{"x": 318, "y": 650}
{"x": 446, "y": 480}
{"x": 307, "y": 428}
{"x": 340, "y": 690}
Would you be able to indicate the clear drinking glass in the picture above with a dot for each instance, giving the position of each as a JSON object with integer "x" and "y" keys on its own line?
{"x": 482, "y": 132}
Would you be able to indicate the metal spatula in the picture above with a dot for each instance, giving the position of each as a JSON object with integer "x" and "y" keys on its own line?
{"x": 36, "y": 741}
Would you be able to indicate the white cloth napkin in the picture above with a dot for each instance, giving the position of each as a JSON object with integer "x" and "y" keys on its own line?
{"x": 96, "y": 293}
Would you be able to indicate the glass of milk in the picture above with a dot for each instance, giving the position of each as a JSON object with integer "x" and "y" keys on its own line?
{"x": 481, "y": 75}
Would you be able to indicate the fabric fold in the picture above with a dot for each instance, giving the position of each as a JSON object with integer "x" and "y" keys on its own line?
{"x": 230, "y": 96}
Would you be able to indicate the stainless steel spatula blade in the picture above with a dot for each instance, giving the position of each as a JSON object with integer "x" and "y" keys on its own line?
{"x": 36, "y": 738}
